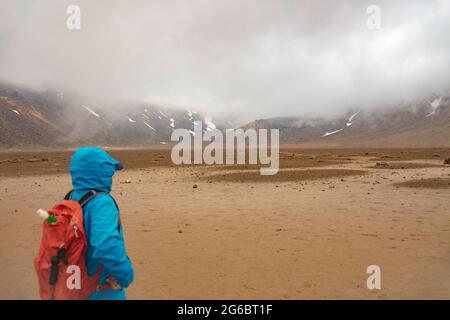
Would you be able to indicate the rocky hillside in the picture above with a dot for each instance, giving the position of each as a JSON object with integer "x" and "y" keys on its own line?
{"x": 424, "y": 124}
{"x": 36, "y": 119}
{"x": 41, "y": 119}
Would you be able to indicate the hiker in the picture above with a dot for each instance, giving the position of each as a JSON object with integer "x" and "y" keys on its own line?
{"x": 92, "y": 168}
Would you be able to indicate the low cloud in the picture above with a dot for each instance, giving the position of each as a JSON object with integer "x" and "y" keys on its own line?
{"x": 251, "y": 58}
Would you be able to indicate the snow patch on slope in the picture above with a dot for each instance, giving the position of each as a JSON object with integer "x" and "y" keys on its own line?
{"x": 209, "y": 124}
{"x": 434, "y": 105}
{"x": 95, "y": 114}
{"x": 326, "y": 134}
{"x": 350, "y": 120}
{"x": 163, "y": 114}
{"x": 149, "y": 126}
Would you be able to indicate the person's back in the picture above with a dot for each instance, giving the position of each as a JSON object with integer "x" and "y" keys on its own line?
{"x": 92, "y": 168}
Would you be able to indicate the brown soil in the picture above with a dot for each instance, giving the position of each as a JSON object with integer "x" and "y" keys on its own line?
{"x": 431, "y": 183}
{"x": 412, "y": 154}
{"x": 57, "y": 162}
{"x": 406, "y": 165}
{"x": 312, "y": 237}
{"x": 282, "y": 176}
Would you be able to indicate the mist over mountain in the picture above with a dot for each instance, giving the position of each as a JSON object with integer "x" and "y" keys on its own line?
{"x": 425, "y": 123}
{"x": 54, "y": 119}
{"x": 49, "y": 118}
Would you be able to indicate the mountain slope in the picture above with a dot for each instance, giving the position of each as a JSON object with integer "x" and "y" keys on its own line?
{"x": 35, "y": 119}
{"x": 425, "y": 124}
{"x": 30, "y": 118}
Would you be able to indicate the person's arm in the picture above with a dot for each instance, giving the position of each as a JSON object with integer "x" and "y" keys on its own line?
{"x": 107, "y": 242}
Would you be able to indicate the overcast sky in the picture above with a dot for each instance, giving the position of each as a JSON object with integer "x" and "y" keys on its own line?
{"x": 256, "y": 58}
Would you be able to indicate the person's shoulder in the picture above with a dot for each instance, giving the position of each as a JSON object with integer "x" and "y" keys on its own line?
{"x": 102, "y": 199}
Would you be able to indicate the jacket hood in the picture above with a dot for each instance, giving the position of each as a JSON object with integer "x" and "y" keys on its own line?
{"x": 92, "y": 168}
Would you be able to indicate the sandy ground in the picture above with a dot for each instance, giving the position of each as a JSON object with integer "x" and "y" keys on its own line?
{"x": 305, "y": 236}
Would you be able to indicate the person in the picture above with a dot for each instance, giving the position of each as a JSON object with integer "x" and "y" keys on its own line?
{"x": 92, "y": 168}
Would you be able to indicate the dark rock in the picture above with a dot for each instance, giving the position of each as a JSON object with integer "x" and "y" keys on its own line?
{"x": 382, "y": 164}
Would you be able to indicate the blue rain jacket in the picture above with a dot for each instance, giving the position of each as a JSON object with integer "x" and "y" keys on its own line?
{"x": 92, "y": 168}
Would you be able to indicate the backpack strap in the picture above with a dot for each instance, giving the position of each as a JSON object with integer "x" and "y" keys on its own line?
{"x": 68, "y": 195}
{"x": 89, "y": 196}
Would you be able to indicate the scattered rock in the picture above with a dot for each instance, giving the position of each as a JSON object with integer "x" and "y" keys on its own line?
{"x": 126, "y": 181}
{"x": 447, "y": 161}
{"x": 382, "y": 164}
{"x": 195, "y": 186}
{"x": 180, "y": 231}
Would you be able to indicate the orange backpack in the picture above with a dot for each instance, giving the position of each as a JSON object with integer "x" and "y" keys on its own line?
{"x": 60, "y": 265}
